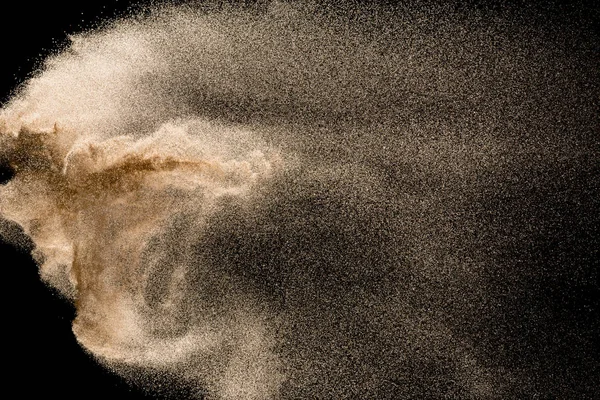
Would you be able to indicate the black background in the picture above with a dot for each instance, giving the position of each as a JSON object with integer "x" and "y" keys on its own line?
{"x": 41, "y": 355}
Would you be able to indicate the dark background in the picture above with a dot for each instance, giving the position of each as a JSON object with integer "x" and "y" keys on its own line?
{"x": 41, "y": 355}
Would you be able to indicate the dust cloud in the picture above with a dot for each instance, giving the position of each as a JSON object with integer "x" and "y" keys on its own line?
{"x": 295, "y": 201}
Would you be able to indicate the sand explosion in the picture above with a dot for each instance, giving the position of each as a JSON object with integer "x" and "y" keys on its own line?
{"x": 286, "y": 203}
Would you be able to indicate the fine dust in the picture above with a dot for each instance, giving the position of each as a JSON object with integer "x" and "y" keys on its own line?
{"x": 291, "y": 202}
